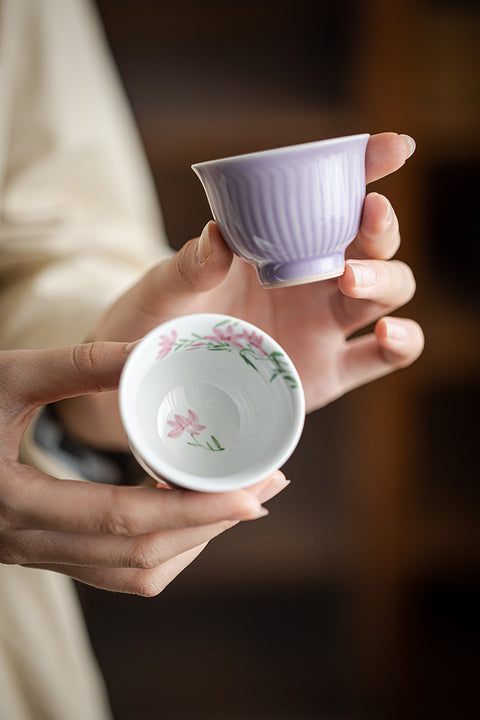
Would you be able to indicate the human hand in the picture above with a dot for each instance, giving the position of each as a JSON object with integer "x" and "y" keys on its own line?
{"x": 312, "y": 322}
{"x": 126, "y": 539}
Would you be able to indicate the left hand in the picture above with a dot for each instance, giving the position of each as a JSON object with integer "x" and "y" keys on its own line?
{"x": 312, "y": 322}
{"x": 125, "y": 539}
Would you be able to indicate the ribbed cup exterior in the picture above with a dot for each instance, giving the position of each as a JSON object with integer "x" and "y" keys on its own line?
{"x": 290, "y": 212}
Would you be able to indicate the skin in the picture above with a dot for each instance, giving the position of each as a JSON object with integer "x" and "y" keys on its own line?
{"x": 138, "y": 539}
{"x": 126, "y": 539}
{"x": 205, "y": 277}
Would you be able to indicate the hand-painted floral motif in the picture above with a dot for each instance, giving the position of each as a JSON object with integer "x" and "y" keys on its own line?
{"x": 166, "y": 344}
{"x": 227, "y": 339}
{"x": 181, "y": 423}
{"x": 191, "y": 425}
{"x": 256, "y": 341}
{"x": 228, "y": 335}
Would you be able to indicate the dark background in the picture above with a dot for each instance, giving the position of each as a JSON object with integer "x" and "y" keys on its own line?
{"x": 358, "y": 597}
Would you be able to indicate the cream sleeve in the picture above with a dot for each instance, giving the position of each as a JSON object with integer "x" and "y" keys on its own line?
{"x": 79, "y": 217}
{"x": 78, "y": 223}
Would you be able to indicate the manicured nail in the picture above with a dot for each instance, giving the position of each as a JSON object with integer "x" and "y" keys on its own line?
{"x": 275, "y": 486}
{"x": 396, "y": 330}
{"x": 204, "y": 246}
{"x": 131, "y": 345}
{"x": 365, "y": 274}
{"x": 389, "y": 213}
{"x": 411, "y": 145}
{"x": 253, "y": 514}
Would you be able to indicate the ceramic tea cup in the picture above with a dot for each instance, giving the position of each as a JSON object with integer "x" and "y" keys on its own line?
{"x": 291, "y": 212}
{"x": 210, "y": 403}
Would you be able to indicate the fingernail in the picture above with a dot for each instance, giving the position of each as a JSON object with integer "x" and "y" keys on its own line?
{"x": 395, "y": 330}
{"x": 389, "y": 214}
{"x": 253, "y": 514}
{"x": 411, "y": 145}
{"x": 131, "y": 345}
{"x": 275, "y": 486}
{"x": 365, "y": 275}
{"x": 204, "y": 246}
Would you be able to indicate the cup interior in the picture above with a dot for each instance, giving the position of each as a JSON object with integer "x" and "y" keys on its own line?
{"x": 211, "y": 403}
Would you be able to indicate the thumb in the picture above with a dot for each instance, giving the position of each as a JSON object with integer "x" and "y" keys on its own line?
{"x": 170, "y": 288}
{"x": 200, "y": 265}
{"x": 38, "y": 377}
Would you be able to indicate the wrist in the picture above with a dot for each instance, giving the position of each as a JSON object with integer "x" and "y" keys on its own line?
{"x": 116, "y": 468}
{"x": 94, "y": 420}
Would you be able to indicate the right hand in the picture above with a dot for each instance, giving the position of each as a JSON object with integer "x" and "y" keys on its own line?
{"x": 317, "y": 324}
{"x": 126, "y": 539}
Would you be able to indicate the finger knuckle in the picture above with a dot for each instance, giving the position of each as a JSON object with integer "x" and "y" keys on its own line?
{"x": 119, "y": 519}
{"x": 88, "y": 358}
{"x": 183, "y": 264}
{"x": 82, "y": 356}
{"x": 144, "y": 557}
{"x": 115, "y": 523}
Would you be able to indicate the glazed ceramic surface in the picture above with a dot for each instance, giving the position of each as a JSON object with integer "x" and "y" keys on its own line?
{"x": 211, "y": 403}
{"x": 291, "y": 212}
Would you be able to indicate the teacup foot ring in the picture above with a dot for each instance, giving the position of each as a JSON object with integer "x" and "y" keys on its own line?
{"x": 301, "y": 272}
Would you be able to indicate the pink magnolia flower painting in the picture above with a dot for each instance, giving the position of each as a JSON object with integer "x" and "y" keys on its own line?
{"x": 228, "y": 335}
{"x": 255, "y": 340}
{"x": 189, "y": 424}
{"x": 182, "y": 424}
{"x": 166, "y": 344}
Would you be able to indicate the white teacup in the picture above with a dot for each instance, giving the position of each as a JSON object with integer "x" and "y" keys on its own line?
{"x": 211, "y": 403}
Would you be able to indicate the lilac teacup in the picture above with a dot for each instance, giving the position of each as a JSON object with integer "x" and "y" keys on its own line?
{"x": 292, "y": 211}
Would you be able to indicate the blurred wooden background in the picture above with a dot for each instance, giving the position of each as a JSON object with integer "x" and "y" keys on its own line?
{"x": 358, "y": 596}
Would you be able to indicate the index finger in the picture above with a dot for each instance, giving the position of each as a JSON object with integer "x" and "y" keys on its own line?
{"x": 386, "y": 153}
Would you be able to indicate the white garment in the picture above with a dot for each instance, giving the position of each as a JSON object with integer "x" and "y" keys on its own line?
{"x": 79, "y": 222}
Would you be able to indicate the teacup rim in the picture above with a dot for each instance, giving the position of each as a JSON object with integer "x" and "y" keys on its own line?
{"x": 283, "y": 149}
{"x": 181, "y": 478}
